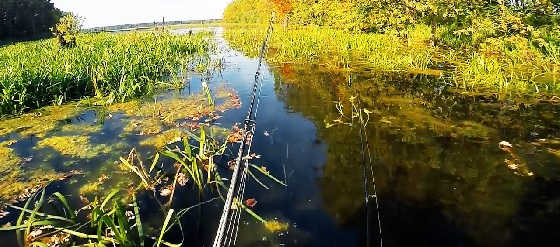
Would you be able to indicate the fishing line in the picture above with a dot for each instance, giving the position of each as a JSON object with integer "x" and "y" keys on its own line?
{"x": 228, "y": 219}
{"x": 363, "y": 135}
{"x": 364, "y": 142}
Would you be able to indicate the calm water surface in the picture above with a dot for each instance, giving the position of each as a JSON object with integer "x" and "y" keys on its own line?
{"x": 442, "y": 179}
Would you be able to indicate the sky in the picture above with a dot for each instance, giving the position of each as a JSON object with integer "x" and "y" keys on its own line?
{"x": 98, "y": 13}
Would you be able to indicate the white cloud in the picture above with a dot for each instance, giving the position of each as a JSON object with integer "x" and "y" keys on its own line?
{"x": 113, "y": 12}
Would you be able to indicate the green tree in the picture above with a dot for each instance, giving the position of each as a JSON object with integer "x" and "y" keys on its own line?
{"x": 66, "y": 30}
{"x": 248, "y": 11}
{"x": 27, "y": 19}
{"x": 506, "y": 17}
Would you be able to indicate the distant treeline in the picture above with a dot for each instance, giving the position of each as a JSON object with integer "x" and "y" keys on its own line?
{"x": 381, "y": 15}
{"x": 147, "y": 25}
{"x": 27, "y": 19}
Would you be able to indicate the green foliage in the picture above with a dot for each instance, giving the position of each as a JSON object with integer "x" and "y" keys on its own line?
{"x": 511, "y": 64}
{"x": 511, "y": 17}
{"x": 121, "y": 66}
{"x": 27, "y": 19}
{"x": 500, "y": 46}
{"x": 66, "y": 30}
{"x": 248, "y": 11}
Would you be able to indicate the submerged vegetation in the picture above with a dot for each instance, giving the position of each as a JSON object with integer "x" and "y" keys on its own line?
{"x": 114, "y": 216}
{"x": 176, "y": 130}
{"x": 432, "y": 149}
{"x": 502, "y": 47}
{"x": 117, "y": 66}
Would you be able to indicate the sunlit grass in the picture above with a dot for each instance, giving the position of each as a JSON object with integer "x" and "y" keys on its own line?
{"x": 504, "y": 66}
{"x": 387, "y": 52}
{"x": 511, "y": 66}
{"x": 121, "y": 66}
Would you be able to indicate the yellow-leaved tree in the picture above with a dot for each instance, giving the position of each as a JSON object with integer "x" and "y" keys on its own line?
{"x": 67, "y": 29}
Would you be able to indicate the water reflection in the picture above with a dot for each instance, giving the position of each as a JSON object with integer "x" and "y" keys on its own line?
{"x": 441, "y": 176}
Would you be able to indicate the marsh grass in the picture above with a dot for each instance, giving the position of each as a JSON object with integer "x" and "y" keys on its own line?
{"x": 512, "y": 66}
{"x": 387, "y": 52}
{"x": 121, "y": 66}
{"x": 506, "y": 66}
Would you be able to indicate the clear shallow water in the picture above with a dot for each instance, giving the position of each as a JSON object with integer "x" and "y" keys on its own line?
{"x": 442, "y": 179}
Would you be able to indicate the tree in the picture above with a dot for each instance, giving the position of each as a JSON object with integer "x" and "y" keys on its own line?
{"x": 66, "y": 30}
{"x": 27, "y": 19}
{"x": 283, "y": 8}
{"x": 248, "y": 11}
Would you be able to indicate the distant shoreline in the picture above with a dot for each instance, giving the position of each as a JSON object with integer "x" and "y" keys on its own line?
{"x": 146, "y": 25}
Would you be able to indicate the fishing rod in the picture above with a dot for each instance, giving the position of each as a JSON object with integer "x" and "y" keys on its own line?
{"x": 228, "y": 219}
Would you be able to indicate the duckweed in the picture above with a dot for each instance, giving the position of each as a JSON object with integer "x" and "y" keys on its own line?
{"x": 276, "y": 226}
{"x": 161, "y": 140}
{"x": 81, "y": 129}
{"x": 40, "y": 122}
{"x": 147, "y": 126}
{"x": 14, "y": 180}
{"x": 8, "y": 159}
{"x": 75, "y": 146}
{"x": 90, "y": 188}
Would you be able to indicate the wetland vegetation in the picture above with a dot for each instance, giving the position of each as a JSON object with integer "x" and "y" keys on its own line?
{"x": 510, "y": 48}
{"x": 129, "y": 138}
{"x": 118, "y": 66}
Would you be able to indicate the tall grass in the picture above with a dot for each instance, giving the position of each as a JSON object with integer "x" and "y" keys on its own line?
{"x": 388, "y": 52}
{"x": 34, "y": 74}
{"x": 479, "y": 62}
{"x": 512, "y": 66}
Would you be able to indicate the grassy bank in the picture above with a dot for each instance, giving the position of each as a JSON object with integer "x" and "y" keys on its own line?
{"x": 505, "y": 66}
{"x": 122, "y": 66}
{"x": 337, "y": 47}
{"x": 512, "y": 65}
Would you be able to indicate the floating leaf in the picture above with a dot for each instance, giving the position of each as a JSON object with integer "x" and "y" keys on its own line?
{"x": 165, "y": 191}
{"x": 251, "y": 202}
{"x": 182, "y": 179}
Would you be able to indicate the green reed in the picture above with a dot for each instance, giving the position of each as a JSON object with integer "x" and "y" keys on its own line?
{"x": 504, "y": 65}
{"x": 104, "y": 221}
{"x": 512, "y": 65}
{"x": 122, "y": 66}
{"x": 388, "y": 52}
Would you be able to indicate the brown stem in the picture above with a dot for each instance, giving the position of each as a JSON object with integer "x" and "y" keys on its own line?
{"x": 173, "y": 189}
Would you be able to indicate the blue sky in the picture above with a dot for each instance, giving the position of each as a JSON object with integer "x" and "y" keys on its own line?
{"x": 105, "y": 13}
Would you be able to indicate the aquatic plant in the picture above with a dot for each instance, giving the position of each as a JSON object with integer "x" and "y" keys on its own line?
{"x": 487, "y": 47}
{"x": 16, "y": 180}
{"x": 40, "y": 122}
{"x": 169, "y": 115}
{"x": 60, "y": 137}
{"x": 76, "y": 146}
{"x": 120, "y": 66}
{"x": 511, "y": 66}
{"x": 164, "y": 138}
{"x": 103, "y": 221}
{"x": 337, "y": 48}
